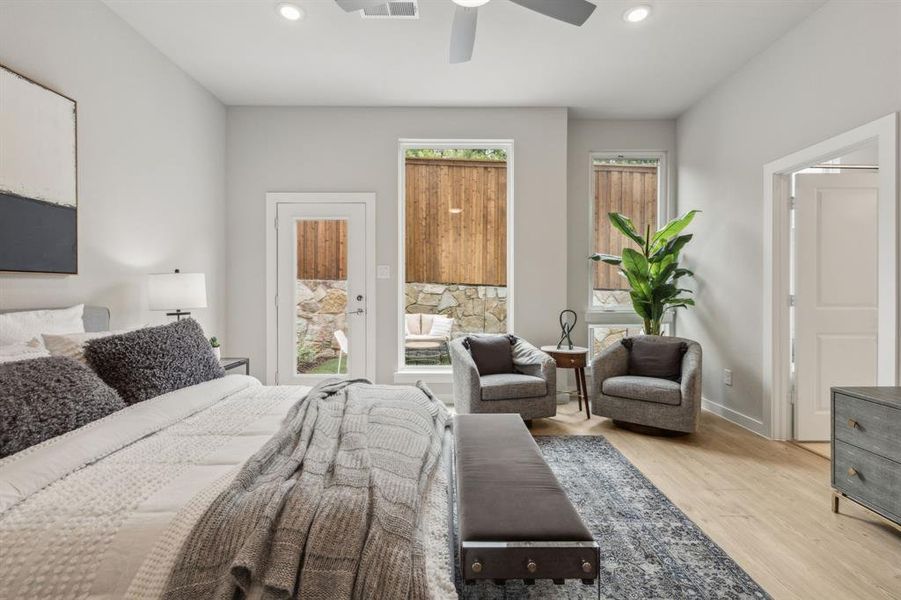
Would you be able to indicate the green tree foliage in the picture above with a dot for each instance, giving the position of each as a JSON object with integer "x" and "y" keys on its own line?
{"x": 458, "y": 153}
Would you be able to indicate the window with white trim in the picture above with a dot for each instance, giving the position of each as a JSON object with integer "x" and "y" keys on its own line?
{"x": 455, "y": 261}
{"x": 632, "y": 184}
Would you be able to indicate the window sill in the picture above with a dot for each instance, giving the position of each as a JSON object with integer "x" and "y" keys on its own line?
{"x": 427, "y": 375}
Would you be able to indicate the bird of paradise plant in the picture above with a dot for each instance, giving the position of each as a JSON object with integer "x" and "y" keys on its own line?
{"x": 653, "y": 270}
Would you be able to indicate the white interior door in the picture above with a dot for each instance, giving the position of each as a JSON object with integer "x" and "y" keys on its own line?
{"x": 322, "y": 296}
{"x": 836, "y": 287}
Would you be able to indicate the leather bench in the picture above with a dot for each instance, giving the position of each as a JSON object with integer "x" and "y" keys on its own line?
{"x": 515, "y": 520}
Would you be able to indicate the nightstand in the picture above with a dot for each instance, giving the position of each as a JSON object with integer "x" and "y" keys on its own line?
{"x": 234, "y": 363}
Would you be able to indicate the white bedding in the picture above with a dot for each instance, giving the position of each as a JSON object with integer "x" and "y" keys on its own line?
{"x": 79, "y": 513}
{"x": 101, "y": 511}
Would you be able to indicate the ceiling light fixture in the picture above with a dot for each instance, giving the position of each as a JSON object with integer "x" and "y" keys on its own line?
{"x": 455, "y": 211}
{"x": 292, "y": 12}
{"x": 637, "y": 14}
{"x": 470, "y": 3}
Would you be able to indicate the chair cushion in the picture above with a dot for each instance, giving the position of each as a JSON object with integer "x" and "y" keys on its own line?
{"x": 412, "y": 324}
{"x": 423, "y": 338}
{"x": 655, "y": 357}
{"x": 492, "y": 354}
{"x": 509, "y": 386}
{"x": 648, "y": 389}
{"x": 441, "y": 327}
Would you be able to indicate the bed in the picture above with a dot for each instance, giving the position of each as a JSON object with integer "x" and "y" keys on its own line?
{"x": 113, "y": 509}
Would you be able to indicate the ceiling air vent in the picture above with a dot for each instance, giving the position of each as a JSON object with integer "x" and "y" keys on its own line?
{"x": 404, "y": 9}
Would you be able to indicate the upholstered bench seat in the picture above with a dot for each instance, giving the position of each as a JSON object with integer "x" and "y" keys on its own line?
{"x": 509, "y": 386}
{"x": 649, "y": 389}
{"x": 515, "y": 520}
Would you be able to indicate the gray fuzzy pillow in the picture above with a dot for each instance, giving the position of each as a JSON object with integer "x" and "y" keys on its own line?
{"x": 152, "y": 361}
{"x": 41, "y": 398}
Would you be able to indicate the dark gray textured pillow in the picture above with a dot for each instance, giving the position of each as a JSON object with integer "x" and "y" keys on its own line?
{"x": 152, "y": 361}
{"x": 491, "y": 354}
{"x": 41, "y": 398}
{"x": 658, "y": 357}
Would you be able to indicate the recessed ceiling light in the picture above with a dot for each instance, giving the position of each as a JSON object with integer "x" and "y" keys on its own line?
{"x": 455, "y": 211}
{"x": 292, "y": 12}
{"x": 470, "y": 3}
{"x": 637, "y": 14}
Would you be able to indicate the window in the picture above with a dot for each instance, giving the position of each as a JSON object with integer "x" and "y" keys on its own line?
{"x": 633, "y": 184}
{"x": 454, "y": 254}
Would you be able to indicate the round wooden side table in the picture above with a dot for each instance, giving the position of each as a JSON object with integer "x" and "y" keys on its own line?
{"x": 576, "y": 359}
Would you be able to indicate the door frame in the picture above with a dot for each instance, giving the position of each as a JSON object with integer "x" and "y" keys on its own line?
{"x": 777, "y": 401}
{"x": 273, "y": 200}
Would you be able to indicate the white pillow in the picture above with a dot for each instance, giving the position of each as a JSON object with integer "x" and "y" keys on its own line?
{"x": 441, "y": 326}
{"x": 72, "y": 344}
{"x": 21, "y": 327}
{"x": 16, "y": 352}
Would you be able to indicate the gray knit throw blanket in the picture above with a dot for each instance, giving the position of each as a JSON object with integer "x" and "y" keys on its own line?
{"x": 329, "y": 508}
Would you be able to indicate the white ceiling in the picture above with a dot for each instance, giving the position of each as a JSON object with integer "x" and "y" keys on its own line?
{"x": 246, "y": 54}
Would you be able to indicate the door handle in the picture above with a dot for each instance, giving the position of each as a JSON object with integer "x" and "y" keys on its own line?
{"x": 359, "y": 311}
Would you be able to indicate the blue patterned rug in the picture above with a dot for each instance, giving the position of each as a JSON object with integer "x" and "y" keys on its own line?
{"x": 649, "y": 548}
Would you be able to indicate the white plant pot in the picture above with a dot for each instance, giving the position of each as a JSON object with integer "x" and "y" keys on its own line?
{"x": 217, "y": 352}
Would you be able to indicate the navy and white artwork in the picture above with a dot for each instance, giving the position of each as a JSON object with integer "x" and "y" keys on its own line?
{"x": 38, "y": 191}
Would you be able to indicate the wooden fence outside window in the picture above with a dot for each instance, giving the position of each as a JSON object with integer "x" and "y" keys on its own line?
{"x": 632, "y": 191}
{"x": 456, "y": 221}
{"x": 322, "y": 249}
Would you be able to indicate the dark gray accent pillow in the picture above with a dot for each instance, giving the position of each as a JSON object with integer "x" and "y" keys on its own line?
{"x": 660, "y": 357}
{"x": 148, "y": 362}
{"x": 492, "y": 354}
{"x": 41, "y": 398}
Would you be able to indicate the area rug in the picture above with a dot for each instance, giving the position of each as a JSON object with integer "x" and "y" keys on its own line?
{"x": 649, "y": 548}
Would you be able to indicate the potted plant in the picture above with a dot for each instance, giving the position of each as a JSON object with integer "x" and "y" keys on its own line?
{"x": 653, "y": 270}
{"x": 217, "y": 350}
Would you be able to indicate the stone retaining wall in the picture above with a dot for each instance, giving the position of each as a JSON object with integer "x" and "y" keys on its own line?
{"x": 474, "y": 308}
{"x": 321, "y": 306}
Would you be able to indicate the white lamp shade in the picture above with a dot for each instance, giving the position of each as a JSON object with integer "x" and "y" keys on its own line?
{"x": 169, "y": 291}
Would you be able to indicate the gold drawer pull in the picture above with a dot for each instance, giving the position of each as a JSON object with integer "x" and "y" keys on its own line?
{"x": 852, "y": 471}
{"x": 532, "y": 566}
{"x": 476, "y": 567}
{"x": 586, "y": 567}
{"x": 853, "y": 424}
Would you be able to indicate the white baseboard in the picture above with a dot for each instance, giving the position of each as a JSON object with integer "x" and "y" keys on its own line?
{"x": 742, "y": 420}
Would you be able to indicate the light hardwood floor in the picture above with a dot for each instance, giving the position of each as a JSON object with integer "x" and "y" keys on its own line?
{"x": 824, "y": 449}
{"x": 765, "y": 503}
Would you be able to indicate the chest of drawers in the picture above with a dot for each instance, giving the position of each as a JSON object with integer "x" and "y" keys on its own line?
{"x": 866, "y": 448}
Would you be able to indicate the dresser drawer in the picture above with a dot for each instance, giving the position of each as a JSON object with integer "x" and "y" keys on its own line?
{"x": 868, "y": 425}
{"x": 870, "y": 479}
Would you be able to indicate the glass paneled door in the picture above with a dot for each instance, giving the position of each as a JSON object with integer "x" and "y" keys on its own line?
{"x": 321, "y": 291}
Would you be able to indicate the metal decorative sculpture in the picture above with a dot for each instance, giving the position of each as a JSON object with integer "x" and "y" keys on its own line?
{"x": 566, "y": 327}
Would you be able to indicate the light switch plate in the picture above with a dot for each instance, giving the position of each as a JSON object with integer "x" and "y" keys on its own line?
{"x": 727, "y": 376}
{"x": 383, "y": 272}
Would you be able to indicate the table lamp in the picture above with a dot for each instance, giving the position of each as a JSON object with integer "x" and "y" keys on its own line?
{"x": 175, "y": 291}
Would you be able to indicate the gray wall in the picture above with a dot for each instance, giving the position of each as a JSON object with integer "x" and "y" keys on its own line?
{"x": 586, "y": 136}
{"x": 151, "y": 161}
{"x": 355, "y": 149}
{"x": 838, "y": 69}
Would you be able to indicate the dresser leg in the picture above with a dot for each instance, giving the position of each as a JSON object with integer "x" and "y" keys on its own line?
{"x": 835, "y": 498}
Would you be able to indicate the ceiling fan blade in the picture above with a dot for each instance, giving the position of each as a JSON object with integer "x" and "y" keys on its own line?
{"x": 574, "y": 12}
{"x": 463, "y": 34}
{"x": 352, "y": 5}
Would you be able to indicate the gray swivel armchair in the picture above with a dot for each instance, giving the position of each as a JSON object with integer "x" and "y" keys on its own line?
{"x": 530, "y": 391}
{"x": 652, "y": 404}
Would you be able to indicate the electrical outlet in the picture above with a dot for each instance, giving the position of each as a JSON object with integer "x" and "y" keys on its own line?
{"x": 727, "y": 376}
{"x": 383, "y": 272}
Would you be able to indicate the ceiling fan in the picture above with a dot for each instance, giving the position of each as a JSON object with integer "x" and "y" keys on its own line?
{"x": 463, "y": 32}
